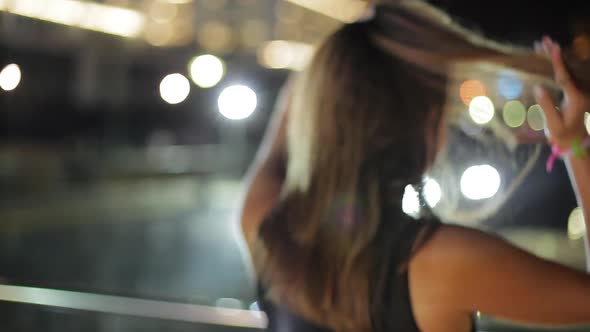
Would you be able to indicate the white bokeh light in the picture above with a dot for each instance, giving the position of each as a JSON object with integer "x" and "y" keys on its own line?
{"x": 10, "y": 77}
{"x": 587, "y": 122}
{"x": 174, "y": 88}
{"x": 411, "y": 202}
{"x": 536, "y": 117}
{"x": 576, "y": 226}
{"x": 481, "y": 110}
{"x": 237, "y": 102}
{"x": 480, "y": 182}
{"x": 207, "y": 70}
{"x": 432, "y": 192}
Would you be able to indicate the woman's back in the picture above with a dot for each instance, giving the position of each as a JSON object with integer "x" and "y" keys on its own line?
{"x": 368, "y": 118}
{"x": 391, "y": 305}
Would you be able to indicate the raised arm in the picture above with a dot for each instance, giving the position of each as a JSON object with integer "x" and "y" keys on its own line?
{"x": 566, "y": 128}
{"x": 461, "y": 271}
{"x": 265, "y": 177}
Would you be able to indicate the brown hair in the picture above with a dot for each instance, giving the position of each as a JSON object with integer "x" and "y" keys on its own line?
{"x": 363, "y": 117}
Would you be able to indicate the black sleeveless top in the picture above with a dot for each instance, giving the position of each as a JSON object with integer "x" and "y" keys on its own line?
{"x": 391, "y": 307}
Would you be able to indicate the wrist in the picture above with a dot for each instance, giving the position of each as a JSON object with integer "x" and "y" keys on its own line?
{"x": 578, "y": 149}
{"x": 566, "y": 142}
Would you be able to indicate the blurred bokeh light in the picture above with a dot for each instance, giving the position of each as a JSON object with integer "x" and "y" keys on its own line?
{"x": 514, "y": 113}
{"x": 481, "y": 110}
{"x": 536, "y": 117}
{"x": 576, "y": 227}
{"x": 480, "y": 182}
{"x": 237, "y": 102}
{"x": 10, "y": 77}
{"x": 206, "y": 70}
{"x": 174, "y": 88}
{"x": 411, "y": 201}
{"x": 87, "y": 15}
{"x": 509, "y": 86}
{"x": 471, "y": 89}
{"x": 432, "y": 192}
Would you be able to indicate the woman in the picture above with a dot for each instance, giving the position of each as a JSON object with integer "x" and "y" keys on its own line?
{"x": 331, "y": 244}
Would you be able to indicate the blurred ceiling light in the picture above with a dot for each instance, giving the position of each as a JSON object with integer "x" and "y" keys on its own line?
{"x": 481, "y": 110}
{"x": 159, "y": 34}
{"x": 174, "y": 88}
{"x": 216, "y": 36}
{"x": 254, "y": 32}
{"x": 86, "y": 15}
{"x": 514, "y": 114}
{"x": 536, "y": 118}
{"x": 10, "y": 77}
{"x": 281, "y": 54}
{"x": 346, "y": 11}
{"x": 237, "y": 102}
{"x": 480, "y": 182}
{"x": 162, "y": 12}
{"x": 206, "y": 70}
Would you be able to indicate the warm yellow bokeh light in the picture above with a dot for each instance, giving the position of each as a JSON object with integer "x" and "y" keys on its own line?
{"x": 481, "y": 110}
{"x": 587, "y": 122}
{"x": 163, "y": 12}
{"x": 276, "y": 54}
{"x": 159, "y": 34}
{"x": 514, "y": 113}
{"x": 88, "y": 15}
{"x": 282, "y": 54}
{"x": 536, "y": 118}
{"x": 216, "y": 36}
{"x": 471, "y": 89}
{"x": 576, "y": 227}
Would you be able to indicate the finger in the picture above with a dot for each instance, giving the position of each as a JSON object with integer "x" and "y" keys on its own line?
{"x": 562, "y": 75}
{"x": 553, "y": 117}
{"x": 538, "y": 47}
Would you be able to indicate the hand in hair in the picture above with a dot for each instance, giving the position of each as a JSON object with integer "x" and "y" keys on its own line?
{"x": 565, "y": 125}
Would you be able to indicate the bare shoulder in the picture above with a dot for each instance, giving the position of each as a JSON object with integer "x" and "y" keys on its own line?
{"x": 428, "y": 292}
{"x": 461, "y": 270}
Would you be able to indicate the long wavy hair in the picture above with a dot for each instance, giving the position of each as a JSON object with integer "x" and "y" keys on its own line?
{"x": 364, "y": 123}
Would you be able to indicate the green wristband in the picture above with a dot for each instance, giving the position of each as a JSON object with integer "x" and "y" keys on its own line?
{"x": 578, "y": 149}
